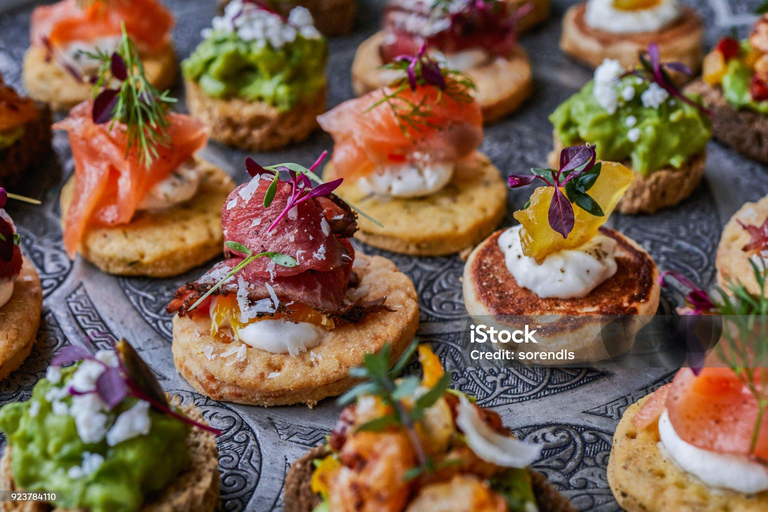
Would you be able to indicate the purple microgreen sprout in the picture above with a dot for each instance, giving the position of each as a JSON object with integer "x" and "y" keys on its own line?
{"x": 579, "y": 170}
{"x": 115, "y": 384}
{"x": 655, "y": 71}
{"x": 698, "y": 301}
{"x": 422, "y": 68}
{"x": 279, "y": 258}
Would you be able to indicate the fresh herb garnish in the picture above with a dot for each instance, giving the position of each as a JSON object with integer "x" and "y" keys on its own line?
{"x": 745, "y": 328}
{"x": 578, "y": 172}
{"x": 298, "y": 178}
{"x": 407, "y": 408}
{"x": 762, "y": 8}
{"x": 123, "y": 95}
{"x": 654, "y": 71}
{"x": 131, "y": 378}
{"x": 280, "y": 259}
{"x": 422, "y": 70}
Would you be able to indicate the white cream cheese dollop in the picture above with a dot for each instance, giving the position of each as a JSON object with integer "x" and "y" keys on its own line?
{"x": 280, "y": 336}
{"x": 180, "y": 186}
{"x": 721, "y": 470}
{"x": 407, "y": 180}
{"x": 603, "y": 15}
{"x": 76, "y": 53}
{"x": 566, "y": 274}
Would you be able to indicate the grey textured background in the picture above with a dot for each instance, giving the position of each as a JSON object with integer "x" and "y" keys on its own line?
{"x": 573, "y": 412}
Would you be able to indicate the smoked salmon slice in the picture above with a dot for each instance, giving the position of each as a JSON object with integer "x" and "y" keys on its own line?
{"x": 147, "y": 22}
{"x": 713, "y": 411}
{"x": 108, "y": 185}
{"x": 365, "y": 137}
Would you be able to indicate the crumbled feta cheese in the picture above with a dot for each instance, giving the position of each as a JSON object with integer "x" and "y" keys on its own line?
{"x": 630, "y": 121}
{"x": 84, "y": 379}
{"x": 208, "y": 353}
{"x": 108, "y": 357}
{"x": 91, "y": 423}
{"x": 53, "y": 374}
{"x": 59, "y": 408}
{"x": 34, "y": 408}
{"x": 91, "y": 463}
{"x": 253, "y": 23}
{"x": 654, "y": 96}
{"x": 132, "y": 423}
{"x": 607, "y": 76}
{"x": 320, "y": 253}
{"x": 628, "y": 93}
{"x": 634, "y": 134}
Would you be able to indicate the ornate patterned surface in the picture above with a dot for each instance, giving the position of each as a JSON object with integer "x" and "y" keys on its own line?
{"x": 572, "y": 411}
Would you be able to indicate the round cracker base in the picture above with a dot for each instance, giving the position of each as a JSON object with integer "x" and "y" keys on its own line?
{"x": 253, "y": 125}
{"x": 644, "y": 480}
{"x": 195, "y": 490}
{"x": 679, "y": 42}
{"x": 502, "y": 84}
{"x": 732, "y": 261}
{"x": 300, "y": 498}
{"x": 662, "y": 188}
{"x": 20, "y": 319}
{"x": 492, "y": 296}
{"x": 162, "y": 244}
{"x": 449, "y": 221}
{"x": 46, "y": 81}
{"x": 264, "y": 378}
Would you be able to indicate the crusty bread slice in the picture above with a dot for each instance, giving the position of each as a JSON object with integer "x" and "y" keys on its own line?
{"x": 253, "y": 125}
{"x": 29, "y": 150}
{"x": 298, "y": 495}
{"x": 662, "y": 188}
{"x": 503, "y": 84}
{"x": 492, "y": 295}
{"x": 46, "y": 81}
{"x": 195, "y": 490}
{"x": 681, "y": 41}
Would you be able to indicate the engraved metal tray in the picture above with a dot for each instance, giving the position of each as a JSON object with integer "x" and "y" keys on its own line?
{"x": 572, "y": 411}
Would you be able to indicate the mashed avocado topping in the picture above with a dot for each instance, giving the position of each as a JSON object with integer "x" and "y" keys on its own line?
{"x": 736, "y": 87}
{"x": 257, "y": 55}
{"x": 98, "y": 459}
{"x": 630, "y": 119}
{"x": 10, "y": 137}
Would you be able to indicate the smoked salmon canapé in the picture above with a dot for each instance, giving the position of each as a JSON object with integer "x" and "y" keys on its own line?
{"x": 413, "y": 445}
{"x": 701, "y": 442}
{"x": 25, "y": 134}
{"x": 140, "y": 201}
{"x": 476, "y": 37}
{"x": 408, "y": 156}
{"x": 21, "y": 295}
{"x": 68, "y": 37}
{"x": 562, "y": 270}
{"x": 293, "y": 308}
{"x": 255, "y": 88}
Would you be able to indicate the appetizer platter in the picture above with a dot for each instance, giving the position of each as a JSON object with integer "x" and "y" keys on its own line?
{"x": 153, "y": 268}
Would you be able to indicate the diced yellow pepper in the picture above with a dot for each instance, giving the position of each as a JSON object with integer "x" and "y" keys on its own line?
{"x": 714, "y": 68}
{"x": 327, "y": 467}
{"x": 634, "y": 5}
{"x": 430, "y": 363}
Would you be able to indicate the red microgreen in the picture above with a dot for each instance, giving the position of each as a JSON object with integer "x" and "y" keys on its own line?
{"x": 422, "y": 69}
{"x": 115, "y": 384}
{"x": 579, "y": 170}
{"x": 758, "y": 236}
{"x": 655, "y": 71}
{"x": 104, "y": 106}
{"x": 698, "y": 301}
{"x": 118, "y": 68}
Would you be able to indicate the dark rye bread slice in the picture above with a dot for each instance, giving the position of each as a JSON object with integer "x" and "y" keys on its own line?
{"x": 332, "y": 17}
{"x": 300, "y": 498}
{"x": 195, "y": 490}
{"x": 29, "y": 150}
{"x": 744, "y": 130}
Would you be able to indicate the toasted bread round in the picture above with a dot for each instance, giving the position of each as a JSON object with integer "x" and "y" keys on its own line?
{"x": 46, "y": 81}
{"x": 332, "y": 17}
{"x": 265, "y": 378}
{"x": 19, "y": 319}
{"x": 299, "y": 497}
{"x": 503, "y": 84}
{"x": 451, "y": 220}
{"x": 645, "y": 480}
{"x": 253, "y": 125}
{"x": 662, "y": 188}
{"x": 29, "y": 150}
{"x": 631, "y": 296}
{"x": 680, "y": 41}
{"x": 161, "y": 244}
{"x": 195, "y": 490}
{"x": 743, "y": 130}
{"x": 732, "y": 262}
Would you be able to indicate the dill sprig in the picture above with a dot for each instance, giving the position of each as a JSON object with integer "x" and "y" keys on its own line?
{"x": 422, "y": 70}
{"x": 124, "y": 96}
{"x": 399, "y": 395}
